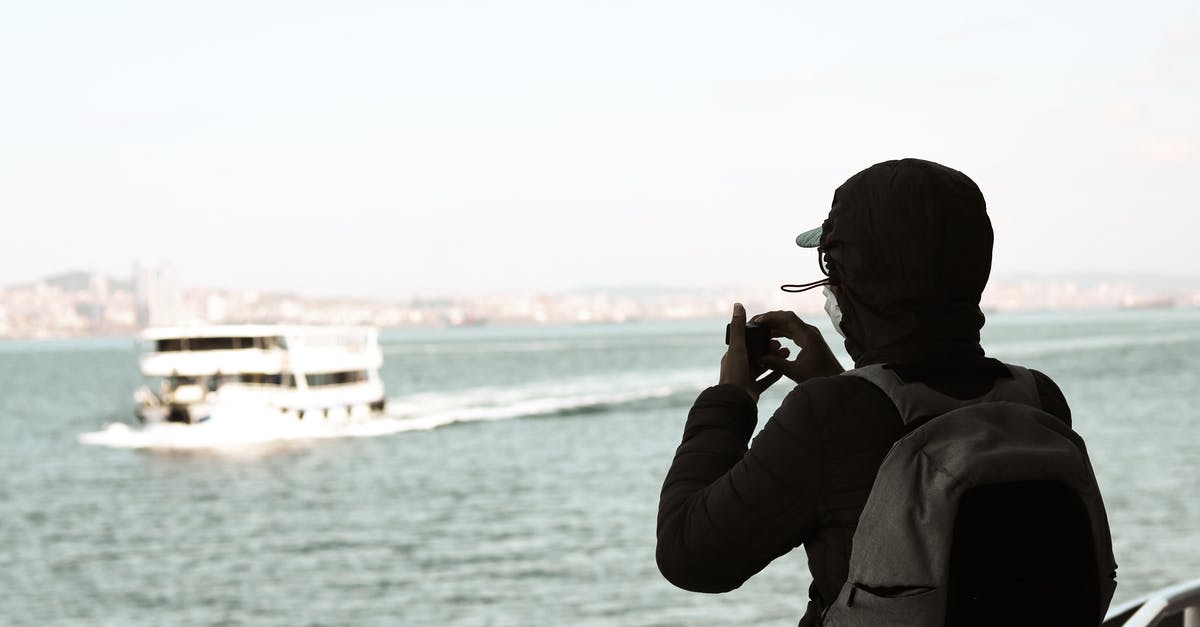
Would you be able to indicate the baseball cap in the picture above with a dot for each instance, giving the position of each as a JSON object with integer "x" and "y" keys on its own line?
{"x": 811, "y": 238}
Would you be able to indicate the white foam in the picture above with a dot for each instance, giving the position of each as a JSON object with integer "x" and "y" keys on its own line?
{"x": 415, "y": 412}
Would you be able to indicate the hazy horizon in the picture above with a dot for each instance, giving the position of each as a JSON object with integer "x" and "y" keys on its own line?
{"x": 389, "y": 149}
{"x": 1150, "y": 282}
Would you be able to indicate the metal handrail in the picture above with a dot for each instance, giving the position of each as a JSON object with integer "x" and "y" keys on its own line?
{"x": 1154, "y": 607}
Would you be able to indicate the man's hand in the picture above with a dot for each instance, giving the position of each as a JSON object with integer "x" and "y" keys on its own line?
{"x": 736, "y": 368}
{"x": 815, "y": 358}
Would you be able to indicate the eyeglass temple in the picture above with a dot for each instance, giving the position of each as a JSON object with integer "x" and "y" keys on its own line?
{"x": 796, "y": 288}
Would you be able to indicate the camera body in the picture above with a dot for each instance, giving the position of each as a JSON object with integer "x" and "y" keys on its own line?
{"x": 758, "y": 341}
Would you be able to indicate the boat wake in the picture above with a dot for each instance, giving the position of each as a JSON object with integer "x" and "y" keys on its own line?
{"x": 415, "y": 412}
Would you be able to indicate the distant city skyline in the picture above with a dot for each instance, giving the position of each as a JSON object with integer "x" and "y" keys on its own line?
{"x": 383, "y": 150}
{"x": 89, "y": 304}
{"x": 1158, "y": 283}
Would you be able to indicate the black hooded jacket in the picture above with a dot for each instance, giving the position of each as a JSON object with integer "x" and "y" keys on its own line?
{"x": 908, "y": 244}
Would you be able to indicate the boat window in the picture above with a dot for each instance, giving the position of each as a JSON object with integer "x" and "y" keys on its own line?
{"x": 263, "y": 378}
{"x": 336, "y": 378}
{"x": 217, "y": 343}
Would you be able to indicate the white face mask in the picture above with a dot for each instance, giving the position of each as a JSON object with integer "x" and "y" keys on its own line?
{"x": 835, "y": 312}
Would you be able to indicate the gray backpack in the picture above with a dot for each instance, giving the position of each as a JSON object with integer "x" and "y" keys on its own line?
{"x": 912, "y": 561}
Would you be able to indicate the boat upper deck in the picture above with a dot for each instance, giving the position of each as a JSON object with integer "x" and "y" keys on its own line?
{"x": 271, "y": 349}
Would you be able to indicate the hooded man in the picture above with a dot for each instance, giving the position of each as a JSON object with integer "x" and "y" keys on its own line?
{"x": 907, "y": 250}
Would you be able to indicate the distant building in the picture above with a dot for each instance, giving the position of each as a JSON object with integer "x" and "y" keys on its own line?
{"x": 156, "y": 293}
{"x": 98, "y": 288}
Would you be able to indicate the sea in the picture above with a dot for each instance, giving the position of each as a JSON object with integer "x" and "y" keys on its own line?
{"x": 513, "y": 481}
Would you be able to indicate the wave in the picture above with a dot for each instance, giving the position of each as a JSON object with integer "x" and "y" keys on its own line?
{"x": 415, "y": 412}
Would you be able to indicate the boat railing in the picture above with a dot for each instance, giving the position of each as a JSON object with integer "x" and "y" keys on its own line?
{"x": 1181, "y": 601}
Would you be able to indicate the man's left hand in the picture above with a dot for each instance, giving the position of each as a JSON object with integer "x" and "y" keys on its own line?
{"x": 736, "y": 368}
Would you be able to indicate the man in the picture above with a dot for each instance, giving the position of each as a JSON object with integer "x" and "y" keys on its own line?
{"x": 907, "y": 251}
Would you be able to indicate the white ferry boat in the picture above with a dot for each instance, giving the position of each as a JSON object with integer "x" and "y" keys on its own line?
{"x": 243, "y": 372}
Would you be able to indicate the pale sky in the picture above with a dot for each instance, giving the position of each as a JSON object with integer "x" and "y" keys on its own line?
{"x": 385, "y": 149}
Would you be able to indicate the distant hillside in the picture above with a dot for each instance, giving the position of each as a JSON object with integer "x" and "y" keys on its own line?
{"x": 78, "y": 281}
{"x": 1150, "y": 282}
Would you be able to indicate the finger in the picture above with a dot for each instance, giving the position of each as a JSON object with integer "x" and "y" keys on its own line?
{"x": 782, "y": 351}
{"x": 737, "y": 327}
{"x": 780, "y": 323}
{"x": 775, "y": 362}
{"x": 762, "y": 317}
{"x": 780, "y": 354}
{"x": 775, "y": 346}
{"x": 789, "y": 369}
{"x": 760, "y": 366}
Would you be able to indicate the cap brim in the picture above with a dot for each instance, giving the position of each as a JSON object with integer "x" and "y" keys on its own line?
{"x": 809, "y": 239}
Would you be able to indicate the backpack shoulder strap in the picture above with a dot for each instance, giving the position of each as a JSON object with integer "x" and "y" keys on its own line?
{"x": 917, "y": 401}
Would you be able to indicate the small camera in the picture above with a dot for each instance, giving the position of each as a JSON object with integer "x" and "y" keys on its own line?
{"x": 758, "y": 341}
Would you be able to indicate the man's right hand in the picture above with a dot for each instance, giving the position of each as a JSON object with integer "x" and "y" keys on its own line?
{"x": 815, "y": 358}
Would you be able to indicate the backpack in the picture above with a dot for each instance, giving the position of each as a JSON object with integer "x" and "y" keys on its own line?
{"x": 986, "y": 513}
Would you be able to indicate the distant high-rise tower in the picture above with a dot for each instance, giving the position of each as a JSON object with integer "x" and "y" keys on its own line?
{"x": 156, "y": 293}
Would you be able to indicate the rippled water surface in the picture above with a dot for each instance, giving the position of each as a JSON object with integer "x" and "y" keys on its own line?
{"x": 514, "y": 481}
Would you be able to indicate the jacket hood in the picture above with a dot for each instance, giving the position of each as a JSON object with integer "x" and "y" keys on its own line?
{"x": 909, "y": 245}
